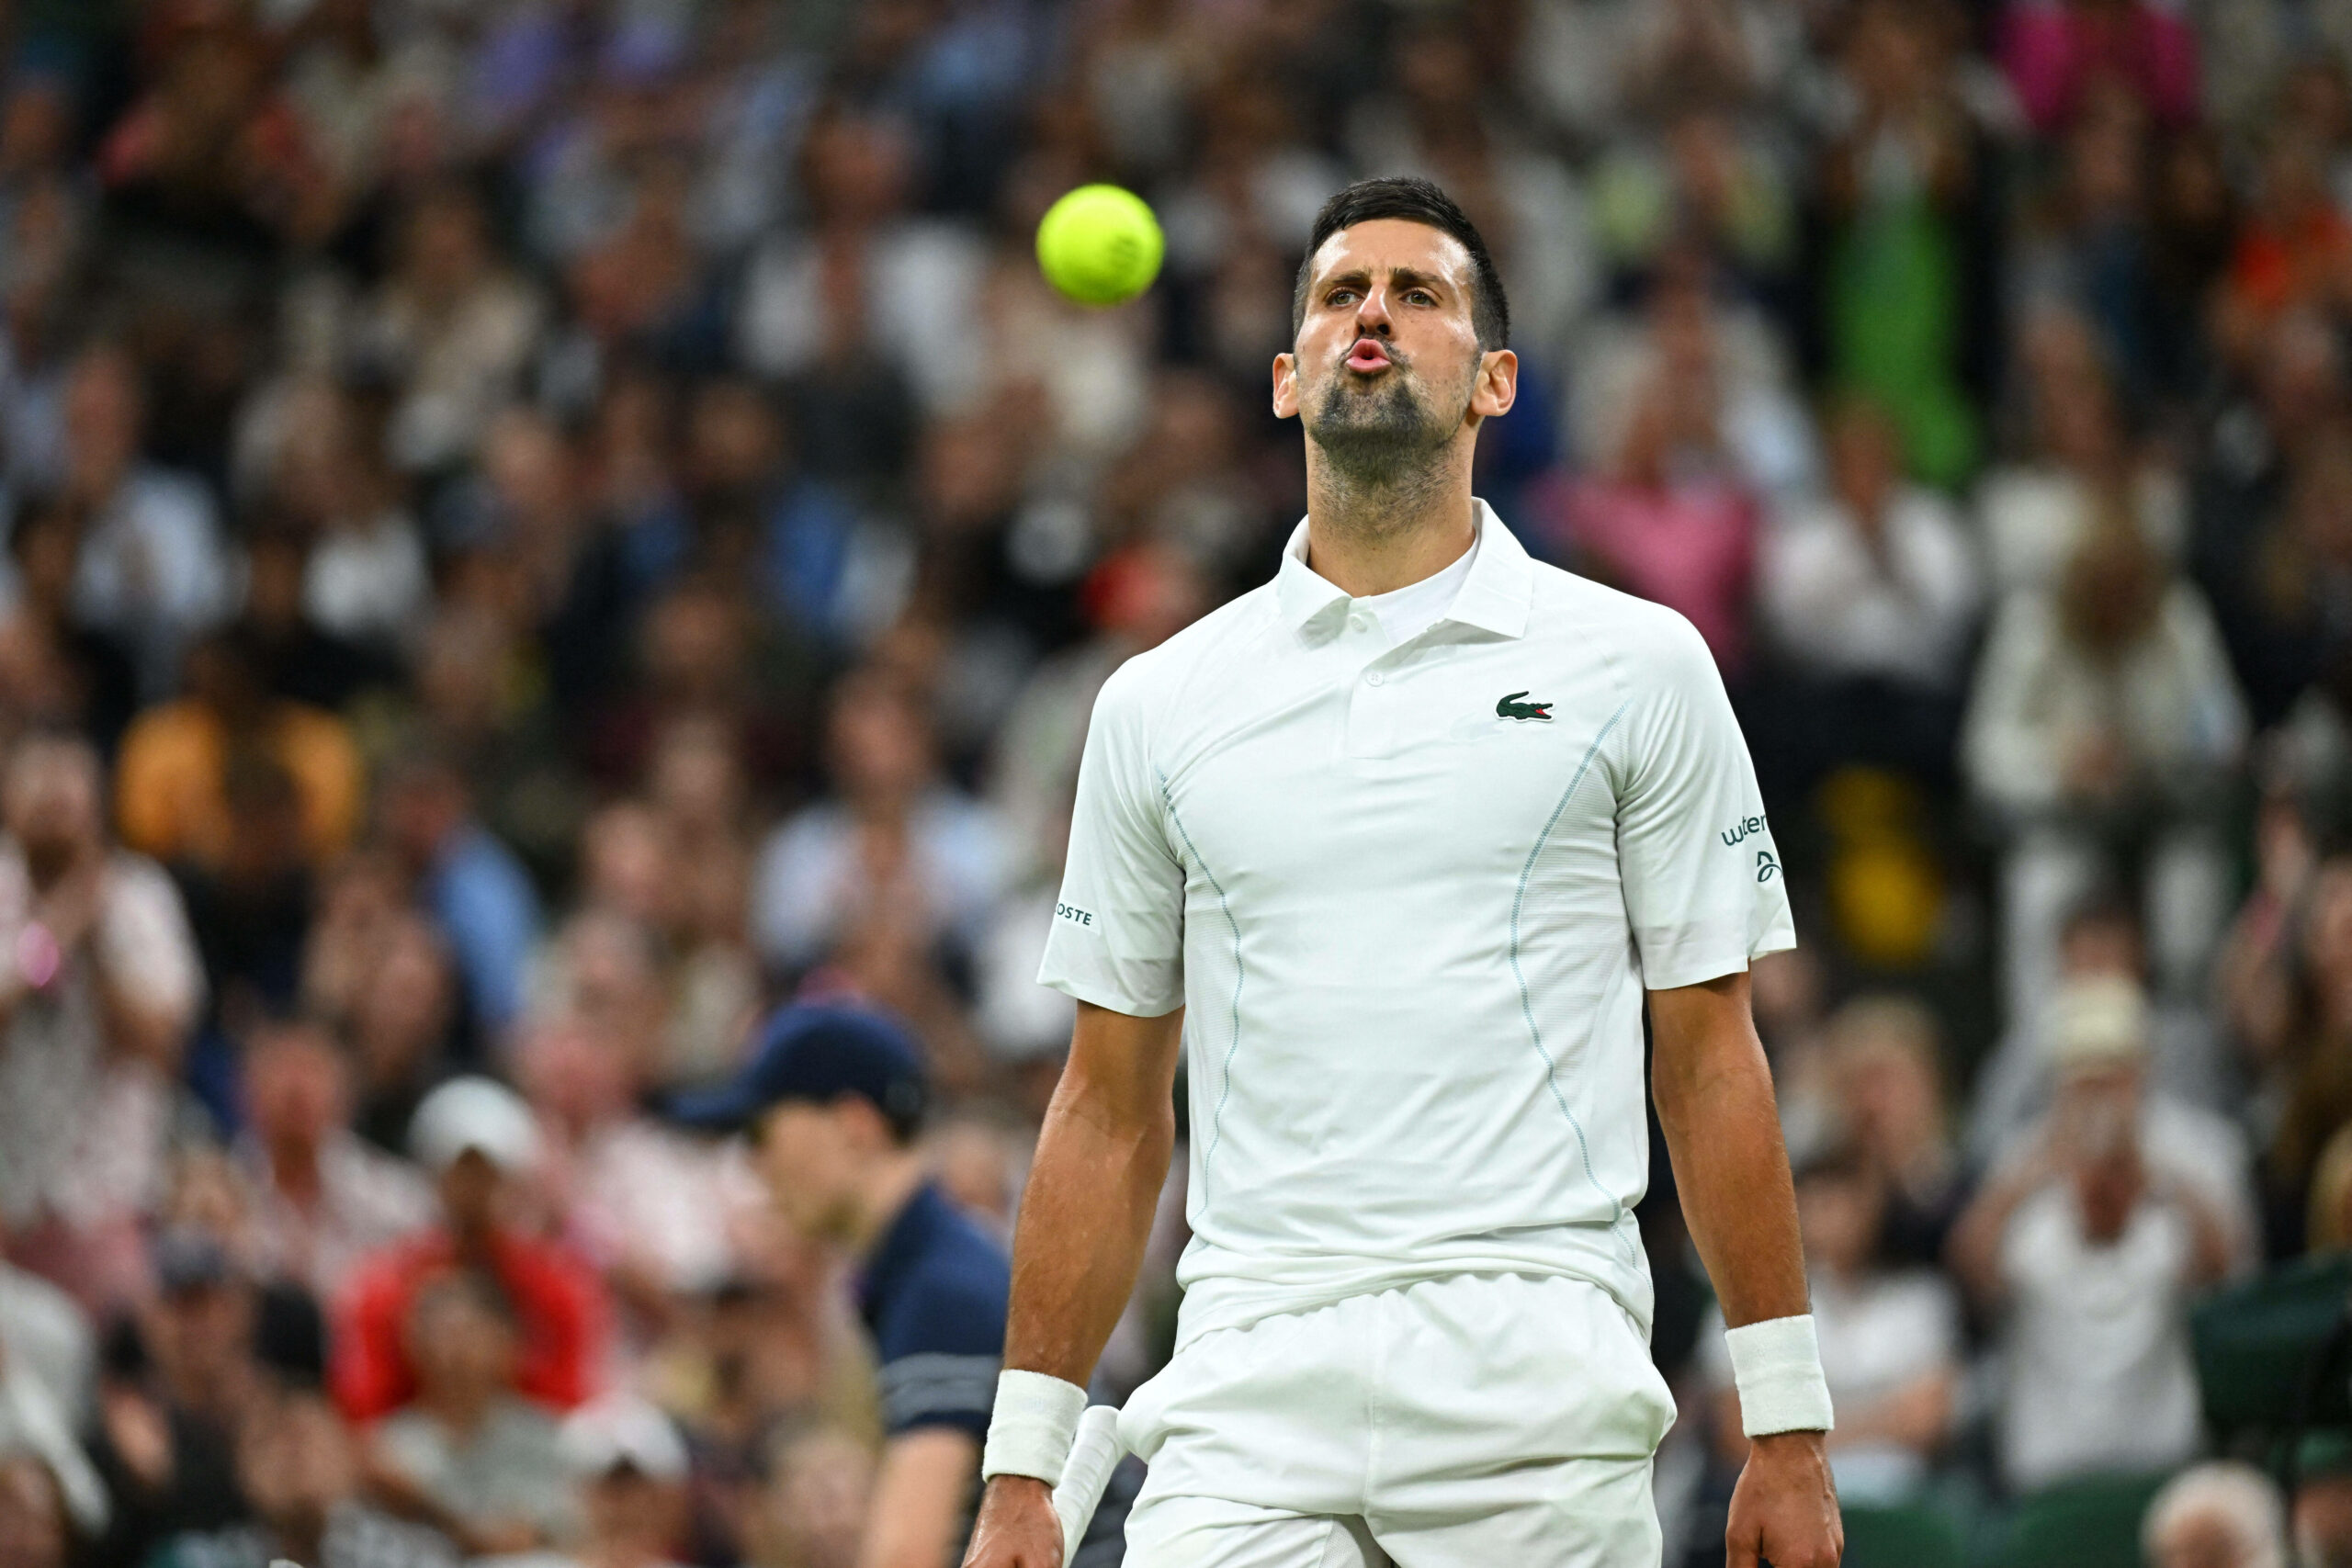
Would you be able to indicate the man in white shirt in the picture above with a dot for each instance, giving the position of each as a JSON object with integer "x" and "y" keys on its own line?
{"x": 1393, "y": 847}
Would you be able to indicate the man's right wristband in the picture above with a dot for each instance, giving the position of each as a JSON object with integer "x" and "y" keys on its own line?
{"x": 1032, "y": 1428}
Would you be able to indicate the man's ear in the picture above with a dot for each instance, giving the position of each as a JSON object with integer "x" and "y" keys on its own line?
{"x": 1285, "y": 386}
{"x": 1497, "y": 386}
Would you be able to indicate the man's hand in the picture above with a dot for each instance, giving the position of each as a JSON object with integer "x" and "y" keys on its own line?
{"x": 1784, "y": 1511}
{"x": 1017, "y": 1528}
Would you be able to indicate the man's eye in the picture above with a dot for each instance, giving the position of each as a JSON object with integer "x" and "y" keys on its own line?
{"x": 1420, "y": 296}
{"x": 1341, "y": 297}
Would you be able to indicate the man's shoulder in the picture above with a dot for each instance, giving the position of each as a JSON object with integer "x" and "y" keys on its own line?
{"x": 1647, "y": 640}
{"x": 950, "y": 1295}
{"x": 1157, "y": 676}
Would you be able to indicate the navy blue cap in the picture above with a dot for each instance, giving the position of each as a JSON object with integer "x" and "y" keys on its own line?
{"x": 816, "y": 1052}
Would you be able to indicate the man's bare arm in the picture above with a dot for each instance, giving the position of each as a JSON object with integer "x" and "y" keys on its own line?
{"x": 1087, "y": 1212}
{"x": 1085, "y": 1218}
{"x": 920, "y": 1494}
{"x": 1722, "y": 1130}
{"x": 1714, "y": 1090}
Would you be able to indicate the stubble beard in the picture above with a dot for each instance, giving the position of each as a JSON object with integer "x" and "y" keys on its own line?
{"x": 1383, "y": 444}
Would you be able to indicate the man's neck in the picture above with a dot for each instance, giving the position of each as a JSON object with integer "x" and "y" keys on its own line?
{"x": 1371, "y": 538}
{"x": 294, "y": 1167}
{"x": 886, "y": 1196}
{"x": 462, "y": 1411}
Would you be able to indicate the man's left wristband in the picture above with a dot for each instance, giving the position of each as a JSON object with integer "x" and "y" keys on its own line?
{"x": 1033, "y": 1426}
{"x": 1776, "y": 1366}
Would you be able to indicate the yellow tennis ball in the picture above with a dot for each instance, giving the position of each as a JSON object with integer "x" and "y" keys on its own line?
{"x": 1100, "y": 245}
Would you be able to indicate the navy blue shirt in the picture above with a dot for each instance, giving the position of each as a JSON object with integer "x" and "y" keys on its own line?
{"x": 933, "y": 1296}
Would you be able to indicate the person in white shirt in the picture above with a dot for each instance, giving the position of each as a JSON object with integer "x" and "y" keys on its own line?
{"x": 1875, "y": 580}
{"x": 1390, "y": 849}
{"x": 2089, "y": 1242}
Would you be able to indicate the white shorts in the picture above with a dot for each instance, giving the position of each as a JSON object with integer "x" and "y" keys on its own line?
{"x": 1475, "y": 1419}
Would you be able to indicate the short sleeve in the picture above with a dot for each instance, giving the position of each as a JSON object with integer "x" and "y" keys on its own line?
{"x": 1118, "y": 927}
{"x": 1703, "y": 882}
{"x": 939, "y": 1355}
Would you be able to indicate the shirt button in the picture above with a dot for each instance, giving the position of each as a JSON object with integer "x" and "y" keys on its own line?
{"x": 1360, "y": 623}
{"x": 1376, "y": 678}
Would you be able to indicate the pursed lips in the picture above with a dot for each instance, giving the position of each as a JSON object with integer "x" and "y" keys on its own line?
{"x": 1368, "y": 355}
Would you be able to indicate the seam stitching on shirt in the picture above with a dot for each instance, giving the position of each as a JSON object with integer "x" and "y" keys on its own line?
{"x": 1225, "y": 906}
{"x": 1526, "y": 1006}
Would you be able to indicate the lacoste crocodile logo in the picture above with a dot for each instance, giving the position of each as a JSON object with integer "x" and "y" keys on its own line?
{"x": 1511, "y": 707}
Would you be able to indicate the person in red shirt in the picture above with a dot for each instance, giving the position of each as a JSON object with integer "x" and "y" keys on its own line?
{"x": 476, "y": 1137}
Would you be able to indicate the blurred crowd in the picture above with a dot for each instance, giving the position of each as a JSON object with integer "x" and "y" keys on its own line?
{"x": 536, "y": 530}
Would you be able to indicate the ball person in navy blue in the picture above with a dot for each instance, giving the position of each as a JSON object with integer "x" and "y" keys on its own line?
{"x": 831, "y": 1099}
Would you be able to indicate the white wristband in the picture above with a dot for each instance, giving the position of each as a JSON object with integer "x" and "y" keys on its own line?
{"x": 1031, "y": 1429}
{"x": 1776, "y": 1364}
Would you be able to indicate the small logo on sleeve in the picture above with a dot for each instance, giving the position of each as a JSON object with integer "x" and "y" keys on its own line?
{"x": 1766, "y": 866}
{"x": 1746, "y": 828}
{"x": 1512, "y": 708}
{"x": 1074, "y": 914}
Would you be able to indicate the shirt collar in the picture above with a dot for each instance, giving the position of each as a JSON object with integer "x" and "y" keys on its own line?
{"x": 1494, "y": 597}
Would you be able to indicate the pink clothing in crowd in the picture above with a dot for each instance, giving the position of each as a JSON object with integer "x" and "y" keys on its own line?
{"x": 1689, "y": 545}
{"x": 2054, "y": 50}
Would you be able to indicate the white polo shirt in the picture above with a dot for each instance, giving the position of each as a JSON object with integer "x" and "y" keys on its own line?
{"x": 1410, "y": 897}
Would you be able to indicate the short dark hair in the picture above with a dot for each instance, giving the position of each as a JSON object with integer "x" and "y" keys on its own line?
{"x": 1416, "y": 201}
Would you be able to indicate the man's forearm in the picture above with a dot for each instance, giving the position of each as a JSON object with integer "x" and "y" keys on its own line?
{"x": 1714, "y": 1101}
{"x": 1087, "y": 1214}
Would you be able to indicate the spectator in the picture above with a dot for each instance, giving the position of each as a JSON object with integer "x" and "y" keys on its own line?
{"x": 633, "y": 1470}
{"x": 300, "y": 660}
{"x": 469, "y": 881}
{"x": 699, "y": 797}
{"x": 1886, "y": 1076}
{"x": 55, "y": 668}
{"x": 301, "y": 1467}
{"x": 1889, "y": 1339}
{"x": 832, "y": 1100}
{"x": 184, "y": 1385}
{"x": 2222, "y": 1514}
{"x": 46, "y": 1352}
{"x": 2058, "y": 52}
{"x": 152, "y": 570}
{"x": 2105, "y": 712}
{"x": 469, "y": 1454}
{"x": 643, "y": 1205}
{"x": 99, "y": 1002}
{"x": 479, "y": 1141}
{"x": 2165, "y": 1049}
{"x": 2088, "y": 1245}
{"x": 1873, "y": 591}
{"x": 321, "y": 1199}
{"x": 451, "y": 329}
{"x": 48, "y": 1390}
{"x": 2295, "y": 247}
{"x": 325, "y": 474}
{"x": 1903, "y": 185}
{"x": 2079, "y": 475}
{"x": 1670, "y": 521}
{"x": 896, "y": 866}
{"x": 172, "y": 788}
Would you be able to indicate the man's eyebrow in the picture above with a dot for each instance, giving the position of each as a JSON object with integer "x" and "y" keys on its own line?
{"x": 1401, "y": 276}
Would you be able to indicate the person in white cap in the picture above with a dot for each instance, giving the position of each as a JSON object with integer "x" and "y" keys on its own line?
{"x": 2089, "y": 1244}
{"x": 632, "y": 1466}
{"x": 477, "y": 1139}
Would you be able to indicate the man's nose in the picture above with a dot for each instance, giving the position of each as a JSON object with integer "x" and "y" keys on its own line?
{"x": 1372, "y": 316}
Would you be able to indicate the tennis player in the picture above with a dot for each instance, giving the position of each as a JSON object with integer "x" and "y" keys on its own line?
{"x": 1394, "y": 848}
